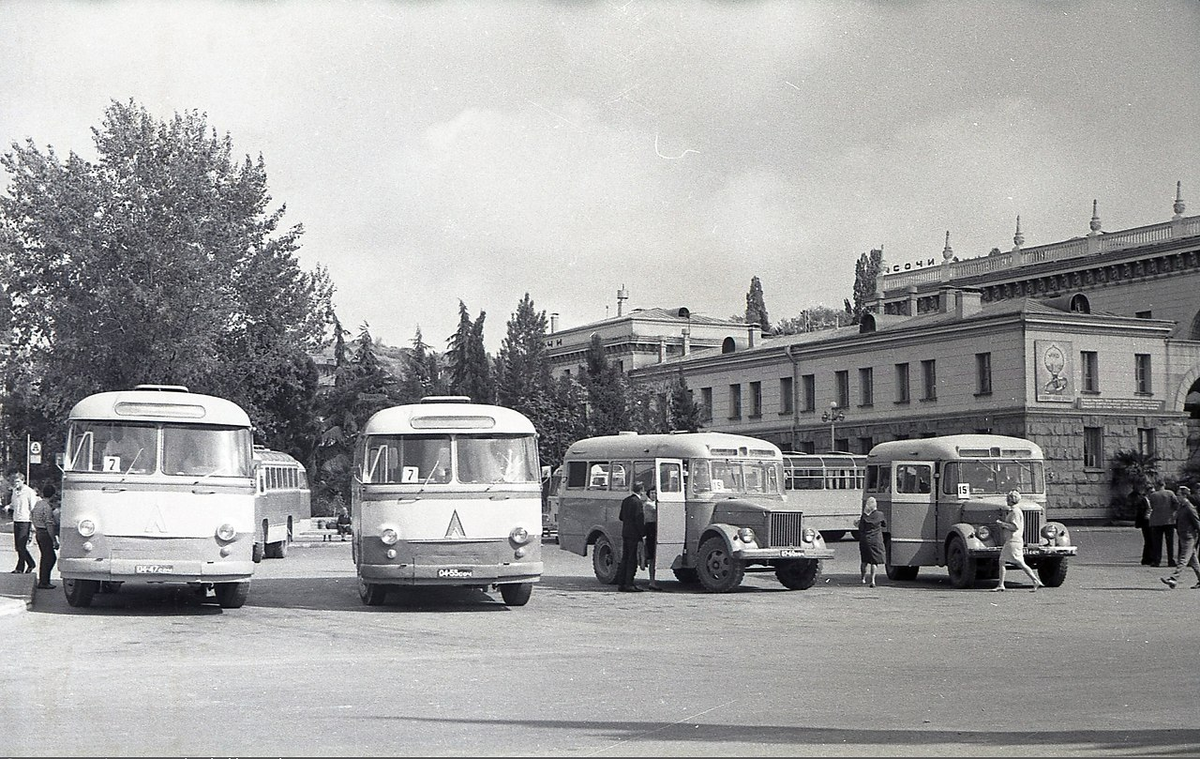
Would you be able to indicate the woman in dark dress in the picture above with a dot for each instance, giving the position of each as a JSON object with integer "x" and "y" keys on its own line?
{"x": 870, "y": 540}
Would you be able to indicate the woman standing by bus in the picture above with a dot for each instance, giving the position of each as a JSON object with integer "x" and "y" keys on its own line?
{"x": 870, "y": 540}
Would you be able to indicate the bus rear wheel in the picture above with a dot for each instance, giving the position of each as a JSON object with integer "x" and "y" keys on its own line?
{"x": 686, "y": 576}
{"x": 902, "y": 573}
{"x": 961, "y": 566}
{"x": 1052, "y": 572}
{"x": 232, "y": 595}
{"x": 719, "y": 571}
{"x": 604, "y": 560}
{"x": 800, "y": 574}
{"x": 371, "y": 593}
{"x": 516, "y": 593}
{"x": 79, "y": 592}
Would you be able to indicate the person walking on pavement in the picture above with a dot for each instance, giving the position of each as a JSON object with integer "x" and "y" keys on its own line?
{"x": 1140, "y": 506}
{"x": 871, "y": 551}
{"x": 1187, "y": 522}
{"x": 633, "y": 528}
{"x": 23, "y": 499}
{"x": 42, "y": 518}
{"x": 1162, "y": 523}
{"x": 1013, "y": 550}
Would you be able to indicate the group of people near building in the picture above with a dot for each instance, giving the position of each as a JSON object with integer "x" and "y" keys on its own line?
{"x": 1169, "y": 521}
{"x": 35, "y": 518}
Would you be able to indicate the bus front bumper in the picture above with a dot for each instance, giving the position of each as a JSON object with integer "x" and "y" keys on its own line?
{"x": 771, "y": 554}
{"x": 1031, "y": 551}
{"x": 146, "y": 570}
{"x": 450, "y": 574}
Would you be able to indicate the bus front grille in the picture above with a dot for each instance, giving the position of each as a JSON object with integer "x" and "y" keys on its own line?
{"x": 1033, "y": 526}
{"x": 785, "y": 530}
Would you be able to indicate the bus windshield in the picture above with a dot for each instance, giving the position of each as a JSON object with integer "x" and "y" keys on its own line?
{"x": 206, "y": 451}
{"x": 112, "y": 447}
{"x": 995, "y": 477}
{"x": 407, "y": 459}
{"x": 734, "y": 476}
{"x": 498, "y": 458}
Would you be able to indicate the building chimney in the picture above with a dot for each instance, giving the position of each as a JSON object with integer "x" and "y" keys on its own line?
{"x": 662, "y": 349}
{"x": 687, "y": 341}
{"x": 553, "y": 323}
{"x": 622, "y": 296}
{"x": 751, "y": 335}
{"x": 970, "y": 302}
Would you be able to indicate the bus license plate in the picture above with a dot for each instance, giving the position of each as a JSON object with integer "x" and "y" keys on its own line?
{"x": 153, "y": 569}
{"x": 788, "y": 553}
{"x": 454, "y": 573}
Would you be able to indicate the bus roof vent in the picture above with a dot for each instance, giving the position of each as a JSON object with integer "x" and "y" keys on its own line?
{"x": 163, "y": 388}
{"x": 627, "y": 432}
{"x": 446, "y": 399}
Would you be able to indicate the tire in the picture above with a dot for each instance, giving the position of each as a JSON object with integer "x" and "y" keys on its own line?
{"x": 1052, "y": 572}
{"x": 833, "y": 536}
{"x": 961, "y": 566}
{"x": 687, "y": 576}
{"x": 370, "y": 593}
{"x": 110, "y": 587}
{"x": 604, "y": 560}
{"x": 516, "y": 593}
{"x": 718, "y": 571}
{"x": 79, "y": 592}
{"x": 904, "y": 574}
{"x": 800, "y": 574}
{"x": 231, "y": 595}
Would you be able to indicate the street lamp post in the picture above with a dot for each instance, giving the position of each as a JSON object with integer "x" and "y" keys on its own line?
{"x": 833, "y": 416}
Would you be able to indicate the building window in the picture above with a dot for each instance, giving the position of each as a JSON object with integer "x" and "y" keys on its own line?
{"x": 983, "y": 374}
{"x": 1093, "y": 447}
{"x": 786, "y": 399}
{"x": 866, "y": 386}
{"x": 810, "y": 392}
{"x": 929, "y": 378}
{"x": 902, "y": 391}
{"x": 755, "y": 400}
{"x": 1141, "y": 373}
{"x": 841, "y": 380}
{"x": 1146, "y": 445}
{"x": 735, "y": 401}
{"x": 1144, "y": 314}
{"x": 865, "y": 444}
{"x": 842, "y": 444}
{"x": 706, "y": 410}
{"x": 1089, "y": 372}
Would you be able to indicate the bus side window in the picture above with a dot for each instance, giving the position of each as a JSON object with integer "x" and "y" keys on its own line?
{"x": 670, "y": 478}
{"x": 598, "y": 476}
{"x": 577, "y": 474}
{"x": 620, "y": 475}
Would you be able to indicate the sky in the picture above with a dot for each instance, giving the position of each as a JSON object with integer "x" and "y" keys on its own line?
{"x": 438, "y": 152}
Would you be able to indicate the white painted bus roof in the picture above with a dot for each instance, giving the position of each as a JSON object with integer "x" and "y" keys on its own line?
{"x": 209, "y": 409}
{"x": 947, "y": 446}
{"x": 677, "y": 445}
{"x": 398, "y": 419}
{"x": 269, "y": 456}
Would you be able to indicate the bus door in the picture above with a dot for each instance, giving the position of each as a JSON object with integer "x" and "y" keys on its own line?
{"x": 912, "y": 521}
{"x": 672, "y": 512}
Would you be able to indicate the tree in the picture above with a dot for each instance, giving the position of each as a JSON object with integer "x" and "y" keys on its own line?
{"x": 523, "y": 376}
{"x": 686, "y": 414}
{"x": 608, "y": 413}
{"x": 470, "y": 369}
{"x": 756, "y": 309}
{"x": 866, "y": 274}
{"x": 564, "y": 421}
{"x": 812, "y": 319}
{"x": 161, "y": 262}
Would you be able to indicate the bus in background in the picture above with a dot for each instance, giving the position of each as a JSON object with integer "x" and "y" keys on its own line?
{"x": 941, "y": 498}
{"x": 282, "y": 498}
{"x": 827, "y": 487}
{"x": 447, "y": 492}
{"x": 721, "y": 510}
{"x": 157, "y": 488}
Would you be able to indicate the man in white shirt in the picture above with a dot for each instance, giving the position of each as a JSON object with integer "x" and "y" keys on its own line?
{"x": 23, "y": 499}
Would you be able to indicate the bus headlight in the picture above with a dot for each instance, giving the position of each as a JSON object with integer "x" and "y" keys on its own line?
{"x": 746, "y": 535}
{"x": 983, "y": 532}
{"x": 226, "y": 532}
{"x": 86, "y": 528}
{"x": 389, "y": 536}
{"x": 519, "y": 535}
{"x": 809, "y": 535}
{"x": 1050, "y": 532}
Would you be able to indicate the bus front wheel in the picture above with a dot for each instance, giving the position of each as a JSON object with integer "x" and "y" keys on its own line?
{"x": 902, "y": 573}
{"x": 516, "y": 593}
{"x": 719, "y": 571}
{"x": 79, "y": 592}
{"x": 232, "y": 595}
{"x": 604, "y": 560}
{"x": 961, "y": 566}
{"x": 1052, "y": 572}
{"x": 371, "y": 593}
{"x": 800, "y": 574}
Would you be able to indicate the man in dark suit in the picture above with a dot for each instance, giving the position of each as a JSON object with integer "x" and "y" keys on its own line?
{"x": 633, "y": 527}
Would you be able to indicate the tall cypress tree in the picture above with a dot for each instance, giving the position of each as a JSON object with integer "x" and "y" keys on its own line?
{"x": 470, "y": 370}
{"x": 523, "y": 377}
{"x": 756, "y": 308}
{"x": 608, "y": 412}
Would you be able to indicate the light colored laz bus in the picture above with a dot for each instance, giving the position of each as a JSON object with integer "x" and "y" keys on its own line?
{"x": 941, "y": 497}
{"x": 282, "y": 497}
{"x": 447, "y": 492}
{"x": 827, "y": 487}
{"x": 157, "y": 488}
{"x": 721, "y": 510}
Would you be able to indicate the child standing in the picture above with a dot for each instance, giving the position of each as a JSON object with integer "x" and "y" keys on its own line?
{"x": 870, "y": 540}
